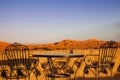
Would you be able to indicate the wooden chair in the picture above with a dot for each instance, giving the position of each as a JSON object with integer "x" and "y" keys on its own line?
{"x": 20, "y": 64}
{"x": 103, "y": 61}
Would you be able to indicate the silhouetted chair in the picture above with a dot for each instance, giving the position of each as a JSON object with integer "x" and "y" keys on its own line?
{"x": 20, "y": 64}
{"x": 103, "y": 61}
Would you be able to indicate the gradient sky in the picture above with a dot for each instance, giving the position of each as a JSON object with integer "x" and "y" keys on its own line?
{"x": 46, "y": 21}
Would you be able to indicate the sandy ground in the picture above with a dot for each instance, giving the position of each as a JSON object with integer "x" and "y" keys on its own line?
{"x": 116, "y": 74}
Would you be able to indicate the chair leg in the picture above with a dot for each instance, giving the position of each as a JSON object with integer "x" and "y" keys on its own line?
{"x": 85, "y": 71}
{"x": 83, "y": 76}
{"x": 98, "y": 74}
{"x": 111, "y": 74}
{"x": 36, "y": 77}
{"x": 37, "y": 73}
{"x": 29, "y": 77}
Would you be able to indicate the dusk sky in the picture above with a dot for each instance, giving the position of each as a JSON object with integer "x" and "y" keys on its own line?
{"x": 47, "y": 21}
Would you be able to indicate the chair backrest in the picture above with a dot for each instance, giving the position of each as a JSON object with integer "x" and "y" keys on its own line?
{"x": 107, "y": 52}
{"x": 17, "y": 54}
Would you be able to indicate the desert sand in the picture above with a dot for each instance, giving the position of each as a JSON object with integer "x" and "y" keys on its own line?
{"x": 90, "y": 76}
{"x": 116, "y": 74}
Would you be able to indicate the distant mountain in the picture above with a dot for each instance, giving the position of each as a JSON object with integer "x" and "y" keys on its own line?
{"x": 71, "y": 44}
{"x": 3, "y": 45}
{"x": 64, "y": 44}
{"x": 90, "y": 43}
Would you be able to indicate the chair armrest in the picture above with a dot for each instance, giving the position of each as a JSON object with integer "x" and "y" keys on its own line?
{"x": 44, "y": 65}
{"x": 33, "y": 62}
{"x": 78, "y": 62}
{"x": 61, "y": 63}
{"x": 91, "y": 59}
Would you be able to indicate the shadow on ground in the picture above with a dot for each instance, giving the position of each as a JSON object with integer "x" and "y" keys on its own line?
{"x": 115, "y": 77}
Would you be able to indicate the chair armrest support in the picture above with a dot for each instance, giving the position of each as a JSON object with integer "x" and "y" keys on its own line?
{"x": 91, "y": 59}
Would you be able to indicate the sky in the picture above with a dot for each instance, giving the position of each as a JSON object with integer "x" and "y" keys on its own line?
{"x": 47, "y": 21}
